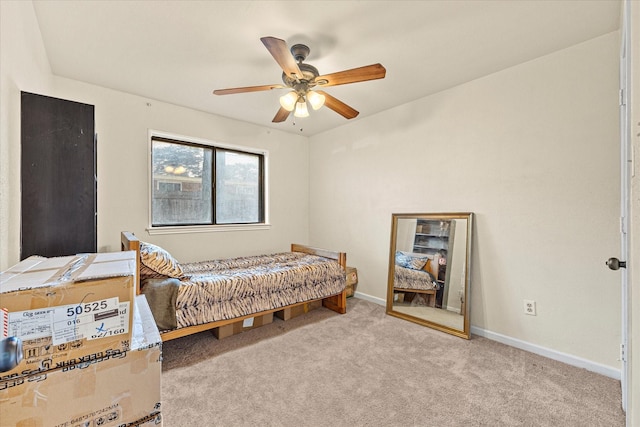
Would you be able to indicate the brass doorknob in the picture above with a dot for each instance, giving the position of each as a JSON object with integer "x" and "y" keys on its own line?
{"x": 615, "y": 263}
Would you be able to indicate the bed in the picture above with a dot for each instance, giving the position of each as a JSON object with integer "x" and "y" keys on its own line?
{"x": 187, "y": 298}
{"x": 416, "y": 274}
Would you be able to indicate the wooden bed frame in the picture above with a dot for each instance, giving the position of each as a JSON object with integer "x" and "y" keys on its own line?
{"x": 430, "y": 294}
{"x": 337, "y": 303}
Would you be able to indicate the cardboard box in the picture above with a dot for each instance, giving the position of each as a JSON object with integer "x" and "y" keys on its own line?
{"x": 153, "y": 420}
{"x": 242, "y": 326}
{"x": 352, "y": 281}
{"x": 65, "y": 308}
{"x": 122, "y": 388}
{"x": 298, "y": 310}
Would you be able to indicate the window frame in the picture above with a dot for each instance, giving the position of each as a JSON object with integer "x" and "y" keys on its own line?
{"x": 177, "y": 229}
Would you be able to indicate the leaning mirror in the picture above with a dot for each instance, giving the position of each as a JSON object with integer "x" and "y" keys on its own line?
{"x": 429, "y": 270}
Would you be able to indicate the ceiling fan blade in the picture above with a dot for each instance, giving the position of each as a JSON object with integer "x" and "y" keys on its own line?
{"x": 233, "y": 90}
{"x": 281, "y": 115}
{"x": 338, "y": 106}
{"x": 281, "y": 53}
{"x": 360, "y": 74}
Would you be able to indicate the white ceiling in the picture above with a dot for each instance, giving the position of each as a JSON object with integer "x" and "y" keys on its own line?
{"x": 180, "y": 51}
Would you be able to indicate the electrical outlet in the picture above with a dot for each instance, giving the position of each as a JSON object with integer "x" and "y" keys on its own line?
{"x": 530, "y": 307}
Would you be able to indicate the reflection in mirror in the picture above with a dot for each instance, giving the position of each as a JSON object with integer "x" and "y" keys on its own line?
{"x": 429, "y": 270}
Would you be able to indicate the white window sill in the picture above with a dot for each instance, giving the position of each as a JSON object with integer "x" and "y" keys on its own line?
{"x": 183, "y": 229}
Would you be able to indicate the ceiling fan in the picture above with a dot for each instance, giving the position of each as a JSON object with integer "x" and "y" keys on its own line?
{"x": 304, "y": 80}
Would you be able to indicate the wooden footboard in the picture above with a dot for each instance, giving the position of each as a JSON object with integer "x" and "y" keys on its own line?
{"x": 337, "y": 303}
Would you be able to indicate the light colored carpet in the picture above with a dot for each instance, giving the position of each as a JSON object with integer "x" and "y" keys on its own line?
{"x": 365, "y": 368}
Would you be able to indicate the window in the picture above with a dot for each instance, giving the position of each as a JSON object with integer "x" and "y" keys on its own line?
{"x": 195, "y": 183}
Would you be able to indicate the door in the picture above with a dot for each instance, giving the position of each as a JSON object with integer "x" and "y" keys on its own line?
{"x": 625, "y": 192}
{"x": 58, "y": 177}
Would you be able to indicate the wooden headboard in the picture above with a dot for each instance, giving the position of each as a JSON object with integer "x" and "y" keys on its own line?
{"x": 341, "y": 257}
{"x": 129, "y": 242}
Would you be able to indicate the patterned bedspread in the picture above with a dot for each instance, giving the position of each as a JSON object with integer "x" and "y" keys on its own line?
{"x": 225, "y": 289}
{"x": 408, "y": 278}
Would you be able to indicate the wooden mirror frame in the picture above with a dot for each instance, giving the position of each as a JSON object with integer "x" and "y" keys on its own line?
{"x": 465, "y": 301}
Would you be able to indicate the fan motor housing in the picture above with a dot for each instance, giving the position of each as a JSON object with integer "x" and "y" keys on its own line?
{"x": 309, "y": 73}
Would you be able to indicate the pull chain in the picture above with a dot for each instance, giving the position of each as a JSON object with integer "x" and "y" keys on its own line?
{"x": 294, "y": 123}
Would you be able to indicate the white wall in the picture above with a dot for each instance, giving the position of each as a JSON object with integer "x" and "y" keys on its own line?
{"x": 23, "y": 63}
{"x": 122, "y": 123}
{"x": 533, "y": 150}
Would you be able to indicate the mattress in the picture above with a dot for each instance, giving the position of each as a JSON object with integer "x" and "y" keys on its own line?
{"x": 225, "y": 289}
{"x": 408, "y": 278}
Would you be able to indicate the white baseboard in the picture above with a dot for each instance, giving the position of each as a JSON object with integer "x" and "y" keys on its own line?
{"x": 375, "y": 300}
{"x": 569, "y": 359}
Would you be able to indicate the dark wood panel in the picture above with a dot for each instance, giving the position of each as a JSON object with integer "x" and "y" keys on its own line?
{"x": 58, "y": 169}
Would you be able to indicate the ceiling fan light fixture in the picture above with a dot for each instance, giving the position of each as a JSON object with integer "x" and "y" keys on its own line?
{"x": 315, "y": 99}
{"x": 288, "y": 101}
{"x": 301, "y": 108}
{"x": 300, "y": 78}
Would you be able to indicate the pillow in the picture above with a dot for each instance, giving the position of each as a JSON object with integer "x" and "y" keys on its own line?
{"x": 414, "y": 262}
{"x": 159, "y": 260}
